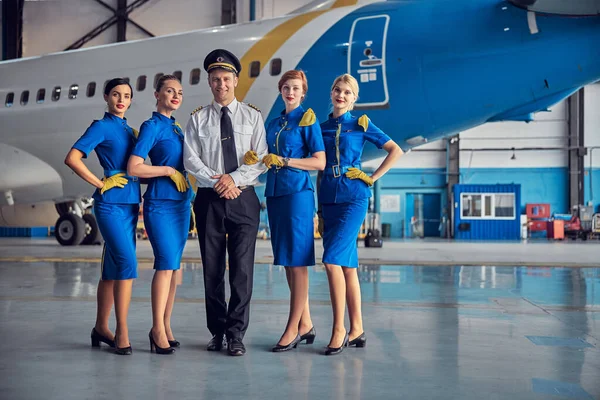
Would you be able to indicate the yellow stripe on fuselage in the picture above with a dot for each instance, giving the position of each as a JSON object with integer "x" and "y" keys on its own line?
{"x": 264, "y": 49}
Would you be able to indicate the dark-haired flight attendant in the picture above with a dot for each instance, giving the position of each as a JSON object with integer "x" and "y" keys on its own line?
{"x": 295, "y": 147}
{"x": 344, "y": 195}
{"x": 116, "y": 206}
{"x": 167, "y": 205}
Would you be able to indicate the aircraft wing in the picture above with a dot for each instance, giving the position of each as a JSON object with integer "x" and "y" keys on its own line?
{"x": 561, "y": 7}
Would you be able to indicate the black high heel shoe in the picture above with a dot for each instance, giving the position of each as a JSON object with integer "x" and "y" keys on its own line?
{"x": 123, "y": 351}
{"x": 174, "y": 343}
{"x": 97, "y": 338}
{"x": 159, "y": 350}
{"x": 331, "y": 351}
{"x": 309, "y": 336}
{"x": 359, "y": 341}
{"x": 278, "y": 348}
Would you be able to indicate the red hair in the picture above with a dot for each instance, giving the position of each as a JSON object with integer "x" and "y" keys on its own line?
{"x": 293, "y": 74}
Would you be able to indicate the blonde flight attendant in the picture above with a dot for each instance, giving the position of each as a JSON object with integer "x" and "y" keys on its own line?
{"x": 344, "y": 195}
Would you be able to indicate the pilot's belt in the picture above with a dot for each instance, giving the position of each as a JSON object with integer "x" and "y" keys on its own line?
{"x": 110, "y": 172}
{"x": 338, "y": 170}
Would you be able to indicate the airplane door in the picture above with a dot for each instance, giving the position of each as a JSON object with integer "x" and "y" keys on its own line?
{"x": 366, "y": 60}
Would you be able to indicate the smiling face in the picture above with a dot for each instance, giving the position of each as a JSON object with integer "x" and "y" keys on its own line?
{"x": 118, "y": 100}
{"x": 342, "y": 97}
{"x": 169, "y": 97}
{"x": 222, "y": 84}
{"x": 292, "y": 93}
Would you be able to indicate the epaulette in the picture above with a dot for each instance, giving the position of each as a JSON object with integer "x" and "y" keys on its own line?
{"x": 252, "y": 106}
{"x": 196, "y": 110}
{"x": 364, "y": 122}
{"x": 308, "y": 118}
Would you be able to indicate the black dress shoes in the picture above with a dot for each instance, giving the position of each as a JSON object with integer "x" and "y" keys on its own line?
{"x": 235, "y": 347}
{"x": 159, "y": 350}
{"x": 331, "y": 351}
{"x": 123, "y": 351}
{"x": 359, "y": 341}
{"x": 278, "y": 348}
{"x": 174, "y": 343}
{"x": 309, "y": 336}
{"x": 97, "y": 338}
{"x": 217, "y": 343}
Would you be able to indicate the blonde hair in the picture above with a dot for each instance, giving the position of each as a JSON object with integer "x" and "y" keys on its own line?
{"x": 350, "y": 81}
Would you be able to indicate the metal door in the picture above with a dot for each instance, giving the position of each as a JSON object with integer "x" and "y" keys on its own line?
{"x": 366, "y": 60}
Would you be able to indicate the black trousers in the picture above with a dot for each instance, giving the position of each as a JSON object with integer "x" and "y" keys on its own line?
{"x": 232, "y": 226}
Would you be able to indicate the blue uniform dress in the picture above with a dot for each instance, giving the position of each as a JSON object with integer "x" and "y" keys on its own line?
{"x": 166, "y": 210}
{"x": 117, "y": 209}
{"x": 289, "y": 191}
{"x": 345, "y": 201}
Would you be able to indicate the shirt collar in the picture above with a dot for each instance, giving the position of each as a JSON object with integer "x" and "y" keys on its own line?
{"x": 232, "y": 106}
{"x": 114, "y": 118}
{"x": 163, "y": 118}
{"x": 296, "y": 113}
{"x": 342, "y": 118}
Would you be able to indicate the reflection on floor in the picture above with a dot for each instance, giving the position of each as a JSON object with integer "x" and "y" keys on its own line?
{"x": 433, "y": 333}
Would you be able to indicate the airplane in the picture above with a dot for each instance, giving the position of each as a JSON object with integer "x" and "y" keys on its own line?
{"x": 427, "y": 69}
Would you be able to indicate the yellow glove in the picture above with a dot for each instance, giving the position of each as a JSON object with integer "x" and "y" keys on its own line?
{"x": 355, "y": 173}
{"x": 251, "y": 158}
{"x": 117, "y": 180}
{"x": 272, "y": 159}
{"x": 180, "y": 181}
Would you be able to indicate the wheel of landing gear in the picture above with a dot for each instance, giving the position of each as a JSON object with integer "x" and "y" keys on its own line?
{"x": 69, "y": 230}
{"x": 92, "y": 231}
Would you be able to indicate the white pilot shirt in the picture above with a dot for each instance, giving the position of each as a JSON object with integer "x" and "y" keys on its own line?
{"x": 202, "y": 151}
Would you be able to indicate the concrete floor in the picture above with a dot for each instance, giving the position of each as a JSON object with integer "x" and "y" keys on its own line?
{"x": 433, "y": 333}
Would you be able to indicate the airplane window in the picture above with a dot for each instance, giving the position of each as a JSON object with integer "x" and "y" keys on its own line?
{"x": 41, "y": 96}
{"x": 126, "y": 79}
{"x": 195, "y": 76}
{"x": 178, "y": 74}
{"x": 25, "y": 97}
{"x": 56, "y": 93}
{"x": 73, "y": 91}
{"x": 156, "y": 78}
{"x": 275, "y": 66}
{"x": 141, "y": 83}
{"x": 254, "y": 69}
{"x": 10, "y": 97}
{"x": 91, "y": 89}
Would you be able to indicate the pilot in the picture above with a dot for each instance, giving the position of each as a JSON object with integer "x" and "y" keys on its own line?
{"x": 167, "y": 204}
{"x": 344, "y": 196}
{"x": 116, "y": 206}
{"x": 226, "y": 208}
{"x": 295, "y": 147}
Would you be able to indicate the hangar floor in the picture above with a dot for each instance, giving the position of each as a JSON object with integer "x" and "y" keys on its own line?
{"x": 434, "y": 332}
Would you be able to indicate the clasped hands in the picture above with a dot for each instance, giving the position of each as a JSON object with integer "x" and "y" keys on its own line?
{"x": 225, "y": 187}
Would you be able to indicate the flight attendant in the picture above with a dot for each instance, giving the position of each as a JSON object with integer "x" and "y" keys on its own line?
{"x": 295, "y": 147}
{"x": 116, "y": 206}
{"x": 344, "y": 195}
{"x": 226, "y": 207}
{"x": 167, "y": 204}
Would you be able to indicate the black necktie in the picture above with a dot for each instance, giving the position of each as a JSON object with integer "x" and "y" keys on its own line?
{"x": 228, "y": 142}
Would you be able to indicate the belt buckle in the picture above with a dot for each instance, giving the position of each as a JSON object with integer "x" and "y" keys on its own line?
{"x": 134, "y": 178}
{"x": 336, "y": 171}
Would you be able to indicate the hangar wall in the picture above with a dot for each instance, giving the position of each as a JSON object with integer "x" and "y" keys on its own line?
{"x": 539, "y": 164}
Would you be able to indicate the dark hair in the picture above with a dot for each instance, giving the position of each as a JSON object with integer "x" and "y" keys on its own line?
{"x": 161, "y": 81}
{"x": 116, "y": 82}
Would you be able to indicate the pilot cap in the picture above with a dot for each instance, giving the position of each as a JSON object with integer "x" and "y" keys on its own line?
{"x": 223, "y": 59}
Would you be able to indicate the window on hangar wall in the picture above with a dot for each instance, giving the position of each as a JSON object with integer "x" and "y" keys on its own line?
{"x": 487, "y": 205}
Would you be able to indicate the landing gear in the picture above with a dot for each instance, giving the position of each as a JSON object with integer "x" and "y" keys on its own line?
{"x": 75, "y": 226}
{"x": 69, "y": 230}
